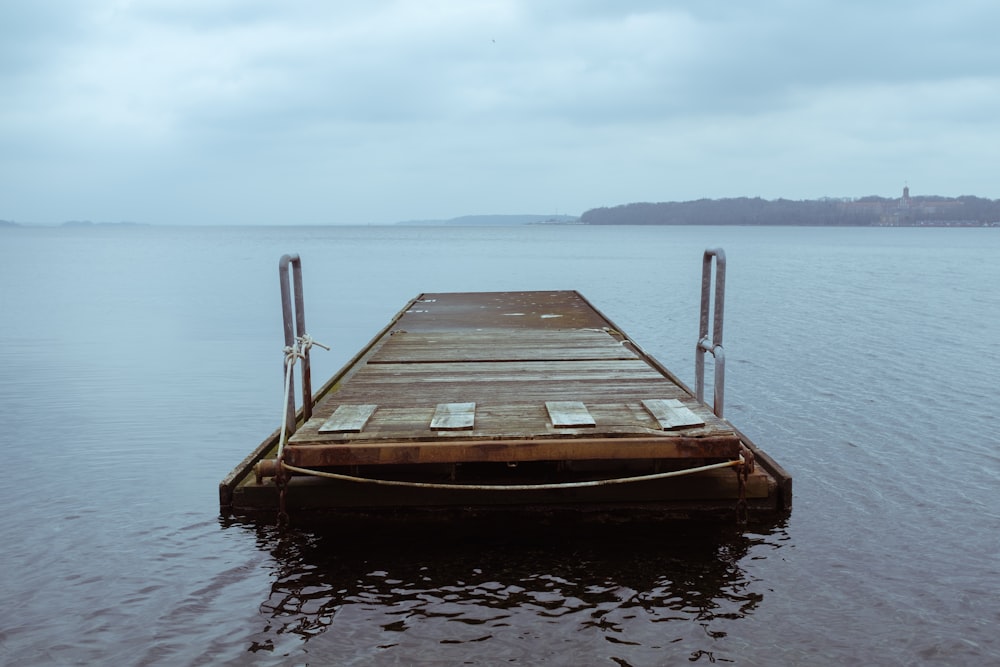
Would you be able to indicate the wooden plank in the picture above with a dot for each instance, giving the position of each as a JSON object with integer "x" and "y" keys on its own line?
{"x": 453, "y": 416}
{"x": 511, "y": 311}
{"x": 507, "y": 421}
{"x": 522, "y": 371}
{"x": 507, "y": 393}
{"x": 506, "y": 346}
{"x": 569, "y": 414}
{"x": 348, "y": 419}
{"x": 671, "y": 414}
{"x": 541, "y": 449}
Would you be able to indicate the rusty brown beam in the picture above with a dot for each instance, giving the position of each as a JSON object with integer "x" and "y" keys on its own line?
{"x": 474, "y": 451}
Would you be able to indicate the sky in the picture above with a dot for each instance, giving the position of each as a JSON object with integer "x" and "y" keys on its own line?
{"x": 327, "y": 112}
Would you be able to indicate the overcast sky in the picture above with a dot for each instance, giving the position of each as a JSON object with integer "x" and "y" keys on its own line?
{"x": 323, "y": 112}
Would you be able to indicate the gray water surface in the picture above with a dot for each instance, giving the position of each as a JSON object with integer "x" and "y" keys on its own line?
{"x": 138, "y": 365}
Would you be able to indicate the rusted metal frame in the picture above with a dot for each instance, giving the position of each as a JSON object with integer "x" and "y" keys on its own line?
{"x": 771, "y": 467}
{"x": 742, "y": 477}
{"x": 294, "y": 330}
{"x": 542, "y": 449}
{"x": 713, "y": 343}
{"x": 281, "y": 479}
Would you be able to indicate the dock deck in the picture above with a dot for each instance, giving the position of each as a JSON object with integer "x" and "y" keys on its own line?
{"x": 511, "y": 388}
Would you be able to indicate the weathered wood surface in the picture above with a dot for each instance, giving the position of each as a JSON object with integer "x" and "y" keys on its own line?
{"x": 671, "y": 413}
{"x": 496, "y": 346}
{"x": 569, "y": 414}
{"x": 348, "y": 419}
{"x": 515, "y": 421}
{"x": 509, "y": 354}
{"x": 453, "y": 416}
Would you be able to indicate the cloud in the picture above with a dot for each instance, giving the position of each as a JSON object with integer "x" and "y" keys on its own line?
{"x": 249, "y": 111}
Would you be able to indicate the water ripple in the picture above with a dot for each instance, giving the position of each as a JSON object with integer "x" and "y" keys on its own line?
{"x": 475, "y": 589}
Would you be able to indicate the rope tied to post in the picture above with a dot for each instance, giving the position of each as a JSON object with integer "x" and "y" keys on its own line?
{"x": 302, "y": 346}
{"x": 293, "y": 353}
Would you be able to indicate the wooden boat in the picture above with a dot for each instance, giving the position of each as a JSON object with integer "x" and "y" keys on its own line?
{"x": 469, "y": 403}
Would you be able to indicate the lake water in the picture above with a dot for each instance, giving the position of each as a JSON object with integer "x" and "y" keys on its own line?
{"x": 138, "y": 365}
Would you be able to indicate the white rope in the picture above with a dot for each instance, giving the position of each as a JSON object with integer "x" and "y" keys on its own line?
{"x": 307, "y": 342}
{"x": 292, "y": 354}
{"x": 514, "y": 487}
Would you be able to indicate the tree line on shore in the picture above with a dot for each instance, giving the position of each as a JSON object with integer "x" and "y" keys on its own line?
{"x": 865, "y": 211}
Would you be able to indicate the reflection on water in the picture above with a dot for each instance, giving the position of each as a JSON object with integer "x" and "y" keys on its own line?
{"x": 589, "y": 593}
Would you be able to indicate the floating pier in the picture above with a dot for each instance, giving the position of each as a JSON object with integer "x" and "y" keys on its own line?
{"x": 528, "y": 401}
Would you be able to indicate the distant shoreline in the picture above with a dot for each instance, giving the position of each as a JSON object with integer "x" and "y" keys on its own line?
{"x": 871, "y": 211}
{"x": 957, "y": 224}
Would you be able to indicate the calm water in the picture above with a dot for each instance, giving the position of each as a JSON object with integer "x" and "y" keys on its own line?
{"x": 139, "y": 365}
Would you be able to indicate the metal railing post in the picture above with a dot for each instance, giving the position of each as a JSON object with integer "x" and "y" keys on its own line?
{"x": 295, "y": 328}
{"x": 713, "y": 343}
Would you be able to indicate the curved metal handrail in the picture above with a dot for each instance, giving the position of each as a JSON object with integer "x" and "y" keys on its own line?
{"x": 712, "y": 344}
{"x": 295, "y": 331}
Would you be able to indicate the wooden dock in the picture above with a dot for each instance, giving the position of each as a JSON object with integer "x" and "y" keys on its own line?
{"x": 512, "y": 399}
